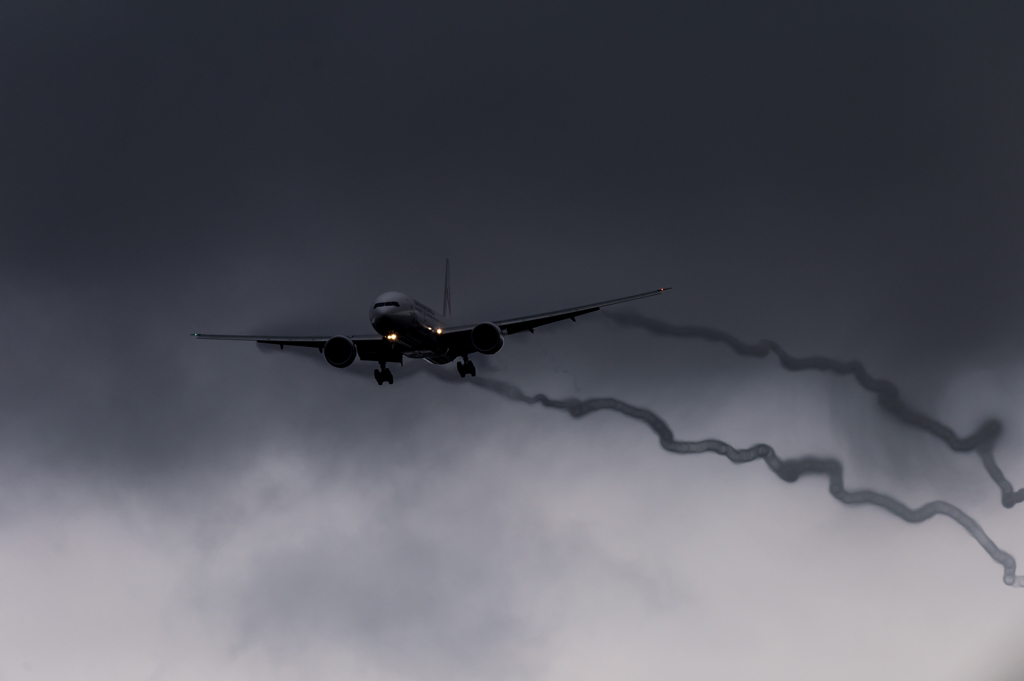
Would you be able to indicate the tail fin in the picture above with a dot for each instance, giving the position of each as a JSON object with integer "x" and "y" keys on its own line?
{"x": 446, "y": 309}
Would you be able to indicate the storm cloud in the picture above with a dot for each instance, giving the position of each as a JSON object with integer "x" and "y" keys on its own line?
{"x": 842, "y": 179}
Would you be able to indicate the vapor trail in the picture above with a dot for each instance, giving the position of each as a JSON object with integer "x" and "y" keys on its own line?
{"x": 982, "y": 441}
{"x": 789, "y": 470}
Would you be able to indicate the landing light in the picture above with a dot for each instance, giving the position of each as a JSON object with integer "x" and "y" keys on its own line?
{"x": 392, "y": 336}
{"x": 439, "y": 331}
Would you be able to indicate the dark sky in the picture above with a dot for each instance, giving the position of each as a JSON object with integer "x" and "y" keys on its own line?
{"x": 844, "y": 178}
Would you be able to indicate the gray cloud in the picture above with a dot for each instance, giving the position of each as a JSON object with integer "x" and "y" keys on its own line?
{"x": 790, "y": 470}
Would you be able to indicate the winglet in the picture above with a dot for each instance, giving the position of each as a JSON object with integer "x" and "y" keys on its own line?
{"x": 446, "y": 309}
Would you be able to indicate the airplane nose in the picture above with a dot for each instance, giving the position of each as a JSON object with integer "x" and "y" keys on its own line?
{"x": 380, "y": 320}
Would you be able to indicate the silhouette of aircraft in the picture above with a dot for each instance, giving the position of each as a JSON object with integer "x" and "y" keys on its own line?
{"x": 407, "y": 328}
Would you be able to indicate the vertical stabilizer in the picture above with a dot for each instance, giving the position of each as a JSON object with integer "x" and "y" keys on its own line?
{"x": 446, "y": 309}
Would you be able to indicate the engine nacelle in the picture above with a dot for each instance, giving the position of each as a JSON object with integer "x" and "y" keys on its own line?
{"x": 340, "y": 352}
{"x": 486, "y": 338}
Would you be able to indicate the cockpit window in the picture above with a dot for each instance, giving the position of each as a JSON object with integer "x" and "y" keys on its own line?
{"x": 387, "y": 304}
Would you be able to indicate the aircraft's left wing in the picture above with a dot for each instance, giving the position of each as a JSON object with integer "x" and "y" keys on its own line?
{"x": 510, "y": 326}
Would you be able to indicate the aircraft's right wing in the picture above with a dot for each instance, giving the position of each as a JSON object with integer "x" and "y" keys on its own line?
{"x": 303, "y": 341}
{"x": 510, "y": 326}
{"x": 371, "y": 348}
{"x": 363, "y": 343}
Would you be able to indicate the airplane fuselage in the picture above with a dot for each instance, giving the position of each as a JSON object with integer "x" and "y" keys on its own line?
{"x": 415, "y": 329}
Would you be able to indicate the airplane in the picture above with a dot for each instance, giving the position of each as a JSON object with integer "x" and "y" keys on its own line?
{"x": 407, "y": 328}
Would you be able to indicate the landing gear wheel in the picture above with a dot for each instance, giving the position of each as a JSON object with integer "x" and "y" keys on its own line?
{"x": 387, "y": 376}
{"x": 377, "y": 375}
{"x": 470, "y": 368}
{"x": 462, "y": 369}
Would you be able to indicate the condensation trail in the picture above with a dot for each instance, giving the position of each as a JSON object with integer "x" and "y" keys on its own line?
{"x": 982, "y": 441}
{"x": 789, "y": 470}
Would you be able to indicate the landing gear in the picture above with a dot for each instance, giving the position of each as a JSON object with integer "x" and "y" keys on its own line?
{"x": 466, "y": 368}
{"x": 383, "y": 374}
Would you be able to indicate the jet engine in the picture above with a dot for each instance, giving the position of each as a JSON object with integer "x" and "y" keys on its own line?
{"x": 486, "y": 338}
{"x": 340, "y": 352}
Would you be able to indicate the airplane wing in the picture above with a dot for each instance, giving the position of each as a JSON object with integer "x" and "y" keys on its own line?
{"x": 303, "y": 341}
{"x": 510, "y": 326}
{"x": 372, "y": 348}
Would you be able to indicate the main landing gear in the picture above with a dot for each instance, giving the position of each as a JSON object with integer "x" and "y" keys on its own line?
{"x": 383, "y": 374}
{"x": 466, "y": 368}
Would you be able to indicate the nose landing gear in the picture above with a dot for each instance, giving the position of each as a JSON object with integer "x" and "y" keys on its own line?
{"x": 466, "y": 368}
{"x": 383, "y": 374}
